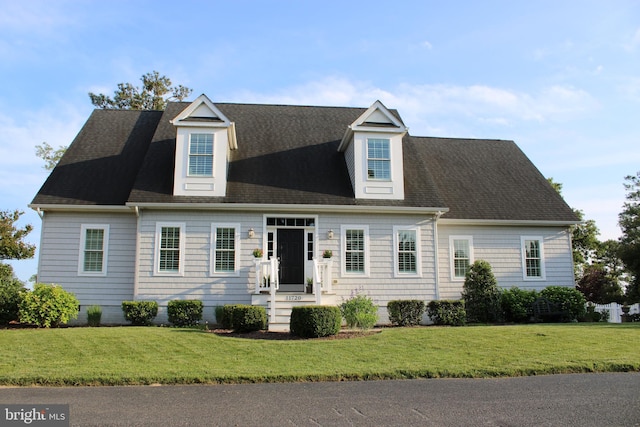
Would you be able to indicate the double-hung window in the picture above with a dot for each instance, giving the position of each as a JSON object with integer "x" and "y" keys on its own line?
{"x": 378, "y": 159}
{"x": 170, "y": 247}
{"x": 407, "y": 251}
{"x": 532, "y": 258}
{"x": 93, "y": 250}
{"x": 355, "y": 247}
{"x": 201, "y": 154}
{"x": 225, "y": 240}
{"x": 461, "y": 256}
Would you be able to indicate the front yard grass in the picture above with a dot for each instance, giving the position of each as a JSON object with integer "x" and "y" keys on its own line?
{"x": 147, "y": 355}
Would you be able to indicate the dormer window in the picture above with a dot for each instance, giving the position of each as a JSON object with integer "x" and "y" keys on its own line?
{"x": 204, "y": 140}
{"x": 372, "y": 147}
{"x": 201, "y": 154}
{"x": 378, "y": 159}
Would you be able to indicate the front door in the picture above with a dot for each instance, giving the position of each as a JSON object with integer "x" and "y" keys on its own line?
{"x": 291, "y": 255}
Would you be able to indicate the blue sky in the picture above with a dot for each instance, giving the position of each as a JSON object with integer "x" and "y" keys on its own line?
{"x": 560, "y": 78}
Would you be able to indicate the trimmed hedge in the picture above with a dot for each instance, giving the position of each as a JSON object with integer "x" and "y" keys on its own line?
{"x": 185, "y": 312}
{"x": 517, "y": 304}
{"x": 224, "y": 315}
{"x": 140, "y": 313}
{"x": 568, "y": 300}
{"x": 314, "y": 321}
{"x": 406, "y": 312}
{"x": 248, "y": 318}
{"x": 48, "y": 305}
{"x": 447, "y": 312}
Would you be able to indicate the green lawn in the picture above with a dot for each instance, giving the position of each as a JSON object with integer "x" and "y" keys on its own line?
{"x": 146, "y": 355}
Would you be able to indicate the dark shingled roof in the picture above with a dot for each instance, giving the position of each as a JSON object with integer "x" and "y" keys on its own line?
{"x": 101, "y": 164}
{"x": 288, "y": 155}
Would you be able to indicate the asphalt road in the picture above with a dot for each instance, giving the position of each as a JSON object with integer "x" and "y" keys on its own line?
{"x": 555, "y": 400}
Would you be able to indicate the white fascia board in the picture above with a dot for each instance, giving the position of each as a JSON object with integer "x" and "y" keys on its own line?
{"x": 186, "y": 113}
{"x": 290, "y": 208}
{"x": 80, "y": 208}
{"x": 346, "y": 139}
{"x": 508, "y": 222}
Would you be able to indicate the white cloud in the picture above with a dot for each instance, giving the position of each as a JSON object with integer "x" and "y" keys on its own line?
{"x": 419, "y": 102}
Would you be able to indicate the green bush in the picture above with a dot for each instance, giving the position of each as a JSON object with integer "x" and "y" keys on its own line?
{"x": 568, "y": 300}
{"x": 481, "y": 294}
{"x": 517, "y": 304}
{"x": 185, "y": 312}
{"x": 447, "y": 312}
{"x": 48, "y": 305}
{"x": 10, "y": 290}
{"x": 248, "y": 318}
{"x": 591, "y": 315}
{"x": 359, "y": 311}
{"x": 94, "y": 315}
{"x": 224, "y": 315}
{"x": 140, "y": 313}
{"x": 315, "y": 321}
{"x": 405, "y": 312}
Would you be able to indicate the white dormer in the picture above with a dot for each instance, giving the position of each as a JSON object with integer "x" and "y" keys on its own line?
{"x": 372, "y": 146}
{"x": 204, "y": 137}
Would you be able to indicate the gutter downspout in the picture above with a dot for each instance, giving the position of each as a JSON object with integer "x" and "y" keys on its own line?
{"x": 436, "y": 217}
{"x": 136, "y": 263}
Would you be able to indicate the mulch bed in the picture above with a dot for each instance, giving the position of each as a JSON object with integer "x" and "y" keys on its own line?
{"x": 266, "y": 335}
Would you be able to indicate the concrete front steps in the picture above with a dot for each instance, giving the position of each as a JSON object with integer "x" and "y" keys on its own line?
{"x": 285, "y": 301}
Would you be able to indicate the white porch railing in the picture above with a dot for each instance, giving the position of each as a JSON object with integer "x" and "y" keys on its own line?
{"x": 267, "y": 281}
{"x": 321, "y": 277}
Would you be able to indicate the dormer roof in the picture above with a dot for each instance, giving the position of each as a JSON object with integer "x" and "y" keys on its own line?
{"x": 377, "y": 118}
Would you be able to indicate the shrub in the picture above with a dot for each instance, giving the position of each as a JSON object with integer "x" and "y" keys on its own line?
{"x": 185, "y": 312}
{"x": 447, "y": 312}
{"x": 568, "y": 300}
{"x": 224, "y": 315}
{"x": 481, "y": 294}
{"x": 315, "y": 321}
{"x": 140, "y": 313}
{"x": 406, "y": 312}
{"x": 10, "y": 290}
{"x": 48, "y": 305}
{"x": 94, "y": 315}
{"x": 591, "y": 315}
{"x": 359, "y": 311}
{"x": 248, "y": 318}
{"x": 517, "y": 304}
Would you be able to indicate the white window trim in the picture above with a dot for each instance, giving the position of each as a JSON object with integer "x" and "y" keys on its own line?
{"x": 82, "y": 246}
{"x": 343, "y": 250}
{"x": 543, "y": 275}
{"x": 213, "y": 151}
{"x": 183, "y": 238}
{"x": 212, "y": 254}
{"x": 367, "y": 158}
{"x": 396, "y": 271}
{"x": 452, "y": 267}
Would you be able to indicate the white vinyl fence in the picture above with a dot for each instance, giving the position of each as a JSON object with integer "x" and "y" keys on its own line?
{"x": 615, "y": 310}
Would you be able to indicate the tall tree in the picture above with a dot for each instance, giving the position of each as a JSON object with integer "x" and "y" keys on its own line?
{"x": 154, "y": 94}
{"x": 629, "y": 221}
{"x": 12, "y": 245}
{"x": 584, "y": 236}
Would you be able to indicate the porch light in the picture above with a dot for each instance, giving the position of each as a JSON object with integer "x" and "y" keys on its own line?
{"x": 330, "y": 234}
{"x": 252, "y": 233}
